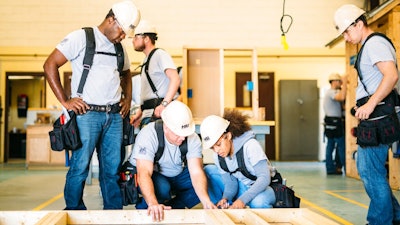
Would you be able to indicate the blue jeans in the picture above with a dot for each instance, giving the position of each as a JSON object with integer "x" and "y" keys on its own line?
{"x": 166, "y": 187}
{"x": 383, "y": 208}
{"x": 264, "y": 199}
{"x": 339, "y": 143}
{"x": 102, "y": 131}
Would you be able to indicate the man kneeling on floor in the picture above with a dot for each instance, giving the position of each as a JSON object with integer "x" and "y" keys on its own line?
{"x": 171, "y": 176}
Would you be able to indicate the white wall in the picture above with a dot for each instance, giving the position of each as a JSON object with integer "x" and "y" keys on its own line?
{"x": 31, "y": 29}
{"x": 244, "y": 23}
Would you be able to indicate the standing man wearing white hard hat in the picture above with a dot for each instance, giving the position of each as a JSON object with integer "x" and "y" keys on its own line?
{"x": 159, "y": 77}
{"x": 334, "y": 124}
{"x": 375, "y": 108}
{"x": 100, "y": 107}
{"x": 229, "y": 136}
{"x": 170, "y": 175}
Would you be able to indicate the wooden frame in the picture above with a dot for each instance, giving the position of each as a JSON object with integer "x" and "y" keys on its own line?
{"x": 299, "y": 216}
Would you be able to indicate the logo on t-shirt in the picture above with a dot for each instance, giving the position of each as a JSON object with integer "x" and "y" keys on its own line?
{"x": 142, "y": 151}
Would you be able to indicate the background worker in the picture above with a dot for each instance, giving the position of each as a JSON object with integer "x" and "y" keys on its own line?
{"x": 334, "y": 123}
{"x": 97, "y": 127}
{"x": 170, "y": 175}
{"x": 226, "y": 136}
{"x": 161, "y": 71}
{"x": 376, "y": 101}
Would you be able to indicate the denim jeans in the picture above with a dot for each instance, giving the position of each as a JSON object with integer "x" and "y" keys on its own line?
{"x": 383, "y": 208}
{"x": 179, "y": 186}
{"x": 339, "y": 143}
{"x": 264, "y": 199}
{"x": 102, "y": 131}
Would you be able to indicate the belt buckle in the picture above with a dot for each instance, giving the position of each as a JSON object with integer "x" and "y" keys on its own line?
{"x": 108, "y": 108}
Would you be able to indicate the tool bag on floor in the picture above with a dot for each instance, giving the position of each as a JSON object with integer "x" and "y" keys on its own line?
{"x": 285, "y": 197}
{"x": 128, "y": 184}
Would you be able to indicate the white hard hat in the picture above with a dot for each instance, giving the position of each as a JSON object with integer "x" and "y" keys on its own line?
{"x": 127, "y": 15}
{"x": 178, "y": 118}
{"x": 145, "y": 27}
{"x": 335, "y": 76}
{"x": 345, "y": 16}
{"x": 211, "y": 129}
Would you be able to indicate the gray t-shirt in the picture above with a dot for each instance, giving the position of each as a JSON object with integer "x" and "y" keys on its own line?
{"x": 376, "y": 49}
{"x": 332, "y": 107}
{"x": 146, "y": 146}
{"x": 252, "y": 152}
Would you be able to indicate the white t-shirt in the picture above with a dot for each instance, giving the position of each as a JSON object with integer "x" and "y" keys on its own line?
{"x": 159, "y": 62}
{"x": 103, "y": 82}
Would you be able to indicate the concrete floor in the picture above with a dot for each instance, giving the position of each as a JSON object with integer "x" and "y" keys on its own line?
{"x": 339, "y": 198}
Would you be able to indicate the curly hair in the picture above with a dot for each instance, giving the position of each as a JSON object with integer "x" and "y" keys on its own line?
{"x": 238, "y": 122}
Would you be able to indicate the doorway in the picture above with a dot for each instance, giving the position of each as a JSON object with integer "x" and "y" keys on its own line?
{"x": 23, "y": 90}
{"x": 266, "y": 97}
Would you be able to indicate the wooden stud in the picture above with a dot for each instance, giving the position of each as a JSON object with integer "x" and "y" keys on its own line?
{"x": 53, "y": 218}
{"x": 217, "y": 217}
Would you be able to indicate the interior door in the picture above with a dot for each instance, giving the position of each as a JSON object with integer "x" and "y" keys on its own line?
{"x": 29, "y": 84}
{"x": 298, "y": 103}
{"x": 204, "y": 82}
{"x": 266, "y": 97}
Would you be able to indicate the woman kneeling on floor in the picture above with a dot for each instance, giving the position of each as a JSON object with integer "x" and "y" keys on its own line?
{"x": 229, "y": 185}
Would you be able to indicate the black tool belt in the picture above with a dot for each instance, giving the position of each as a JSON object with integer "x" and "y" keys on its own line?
{"x": 115, "y": 108}
{"x": 334, "y": 126}
{"x": 151, "y": 103}
{"x": 385, "y": 107}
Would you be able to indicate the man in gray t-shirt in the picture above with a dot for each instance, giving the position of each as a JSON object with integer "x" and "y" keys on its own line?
{"x": 170, "y": 183}
{"x": 334, "y": 124}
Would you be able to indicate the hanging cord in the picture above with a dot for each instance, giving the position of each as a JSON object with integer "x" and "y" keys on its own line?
{"x": 283, "y": 35}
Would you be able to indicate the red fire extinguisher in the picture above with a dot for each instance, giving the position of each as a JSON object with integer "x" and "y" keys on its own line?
{"x": 22, "y": 105}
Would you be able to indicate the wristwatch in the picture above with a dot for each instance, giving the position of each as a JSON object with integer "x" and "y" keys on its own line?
{"x": 164, "y": 103}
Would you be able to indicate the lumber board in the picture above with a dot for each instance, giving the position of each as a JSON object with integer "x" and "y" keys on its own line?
{"x": 301, "y": 216}
{"x": 217, "y": 217}
{"x": 21, "y": 217}
{"x": 134, "y": 217}
{"x": 250, "y": 218}
{"x": 54, "y": 218}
